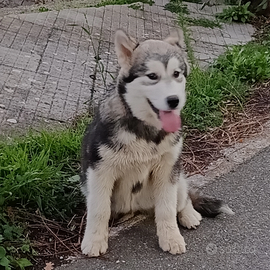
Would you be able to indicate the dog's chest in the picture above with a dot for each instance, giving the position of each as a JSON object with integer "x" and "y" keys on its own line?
{"x": 130, "y": 151}
{"x": 131, "y": 161}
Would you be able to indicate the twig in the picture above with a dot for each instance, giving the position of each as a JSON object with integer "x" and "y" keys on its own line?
{"x": 56, "y": 237}
{"x": 81, "y": 226}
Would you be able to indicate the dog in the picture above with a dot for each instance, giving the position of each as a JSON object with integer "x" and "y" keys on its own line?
{"x": 131, "y": 151}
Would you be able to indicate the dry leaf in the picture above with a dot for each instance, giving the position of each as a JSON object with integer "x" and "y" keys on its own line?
{"x": 49, "y": 266}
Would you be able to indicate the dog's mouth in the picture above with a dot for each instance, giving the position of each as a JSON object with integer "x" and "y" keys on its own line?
{"x": 170, "y": 120}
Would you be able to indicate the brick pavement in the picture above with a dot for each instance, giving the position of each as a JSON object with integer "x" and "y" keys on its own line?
{"x": 209, "y": 43}
{"x": 48, "y": 70}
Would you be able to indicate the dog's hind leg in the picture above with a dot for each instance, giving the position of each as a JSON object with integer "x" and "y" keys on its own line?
{"x": 187, "y": 215}
{"x": 99, "y": 191}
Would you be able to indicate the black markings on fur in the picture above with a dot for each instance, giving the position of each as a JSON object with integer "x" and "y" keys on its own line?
{"x": 122, "y": 89}
{"x": 137, "y": 187}
{"x": 136, "y": 126}
{"x": 150, "y": 176}
{"x": 143, "y": 131}
{"x": 176, "y": 171}
{"x": 178, "y": 45}
{"x": 184, "y": 67}
{"x": 98, "y": 133}
{"x": 177, "y": 137}
{"x": 128, "y": 79}
{"x": 137, "y": 45}
{"x": 206, "y": 206}
{"x": 131, "y": 77}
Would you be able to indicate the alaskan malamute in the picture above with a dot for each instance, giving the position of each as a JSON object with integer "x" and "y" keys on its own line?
{"x": 131, "y": 150}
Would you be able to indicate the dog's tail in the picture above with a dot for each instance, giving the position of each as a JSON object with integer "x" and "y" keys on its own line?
{"x": 207, "y": 206}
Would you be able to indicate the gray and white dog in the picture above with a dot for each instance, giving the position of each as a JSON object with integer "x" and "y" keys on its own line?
{"x": 131, "y": 150}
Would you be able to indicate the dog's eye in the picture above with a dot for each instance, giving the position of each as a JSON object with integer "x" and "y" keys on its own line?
{"x": 176, "y": 74}
{"x": 152, "y": 76}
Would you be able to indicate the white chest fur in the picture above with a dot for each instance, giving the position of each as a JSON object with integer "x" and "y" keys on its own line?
{"x": 131, "y": 163}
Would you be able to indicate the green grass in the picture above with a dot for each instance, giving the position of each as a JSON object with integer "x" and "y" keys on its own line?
{"x": 123, "y": 2}
{"x": 210, "y": 92}
{"x": 208, "y": 95}
{"x": 249, "y": 63}
{"x": 43, "y": 9}
{"x": 237, "y": 13}
{"x": 37, "y": 171}
{"x": 14, "y": 244}
{"x": 177, "y": 6}
{"x": 190, "y": 53}
{"x": 203, "y": 22}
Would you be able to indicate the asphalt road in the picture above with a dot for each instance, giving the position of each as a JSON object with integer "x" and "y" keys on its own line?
{"x": 227, "y": 242}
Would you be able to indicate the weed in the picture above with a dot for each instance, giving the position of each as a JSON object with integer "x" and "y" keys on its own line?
{"x": 43, "y": 9}
{"x": 261, "y": 5}
{"x": 177, "y": 6}
{"x": 208, "y": 95}
{"x": 250, "y": 62}
{"x": 203, "y": 22}
{"x": 239, "y": 13}
{"x": 37, "y": 171}
{"x": 190, "y": 53}
{"x": 194, "y": 1}
{"x": 122, "y": 2}
{"x": 136, "y": 6}
{"x": 14, "y": 245}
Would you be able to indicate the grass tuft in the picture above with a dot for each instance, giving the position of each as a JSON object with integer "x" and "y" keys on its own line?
{"x": 123, "y": 2}
{"x": 177, "y": 6}
{"x": 37, "y": 171}
{"x": 203, "y": 22}
{"x": 250, "y": 62}
{"x": 209, "y": 94}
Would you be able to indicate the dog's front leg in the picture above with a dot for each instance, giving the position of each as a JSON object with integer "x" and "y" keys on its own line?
{"x": 98, "y": 199}
{"x": 165, "y": 193}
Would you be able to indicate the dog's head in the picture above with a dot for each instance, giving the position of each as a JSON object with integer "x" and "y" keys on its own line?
{"x": 152, "y": 79}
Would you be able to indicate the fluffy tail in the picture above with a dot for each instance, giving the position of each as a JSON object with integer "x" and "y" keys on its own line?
{"x": 207, "y": 206}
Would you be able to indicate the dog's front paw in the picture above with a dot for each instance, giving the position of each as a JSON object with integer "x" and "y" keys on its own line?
{"x": 189, "y": 218}
{"x": 94, "y": 246}
{"x": 172, "y": 242}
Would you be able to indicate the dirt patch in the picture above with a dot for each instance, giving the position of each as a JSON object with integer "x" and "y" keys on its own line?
{"x": 201, "y": 149}
{"x": 262, "y": 25}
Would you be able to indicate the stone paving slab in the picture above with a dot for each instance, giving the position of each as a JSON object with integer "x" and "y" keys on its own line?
{"x": 48, "y": 70}
{"x": 209, "y": 43}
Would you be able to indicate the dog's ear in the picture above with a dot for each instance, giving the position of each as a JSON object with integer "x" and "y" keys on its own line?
{"x": 176, "y": 38}
{"x": 124, "y": 47}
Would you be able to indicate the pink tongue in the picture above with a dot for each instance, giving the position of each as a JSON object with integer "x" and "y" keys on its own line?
{"x": 170, "y": 120}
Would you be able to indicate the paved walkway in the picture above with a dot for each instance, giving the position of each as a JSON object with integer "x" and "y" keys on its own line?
{"x": 239, "y": 242}
{"x": 48, "y": 70}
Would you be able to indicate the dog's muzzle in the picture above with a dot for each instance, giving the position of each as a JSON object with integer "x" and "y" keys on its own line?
{"x": 169, "y": 119}
{"x": 153, "y": 107}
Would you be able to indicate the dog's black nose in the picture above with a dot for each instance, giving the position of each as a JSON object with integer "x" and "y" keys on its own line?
{"x": 173, "y": 101}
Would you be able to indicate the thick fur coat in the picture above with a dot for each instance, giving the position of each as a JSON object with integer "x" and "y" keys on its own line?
{"x": 131, "y": 151}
